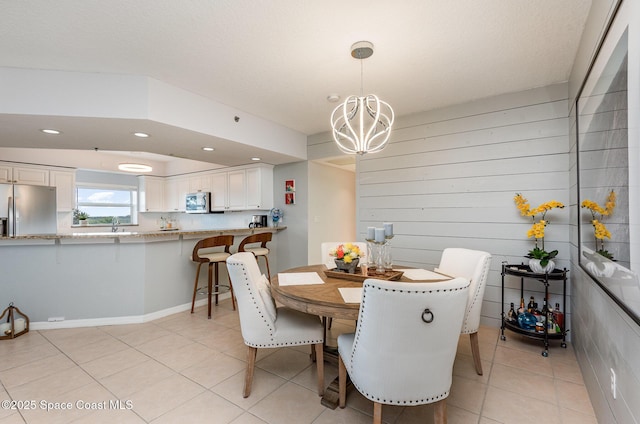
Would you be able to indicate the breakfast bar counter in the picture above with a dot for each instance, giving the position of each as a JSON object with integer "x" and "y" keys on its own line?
{"x": 98, "y": 278}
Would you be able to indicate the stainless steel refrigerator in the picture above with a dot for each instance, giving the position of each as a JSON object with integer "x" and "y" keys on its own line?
{"x": 27, "y": 210}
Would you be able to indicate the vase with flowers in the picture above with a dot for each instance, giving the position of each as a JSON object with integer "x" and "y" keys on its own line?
{"x": 540, "y": 260}
{"x": 346, "y": 256}
{"x": 598, "y": 214}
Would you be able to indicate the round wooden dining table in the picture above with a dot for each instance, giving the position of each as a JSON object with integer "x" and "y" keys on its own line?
{"x": 323, "y": 300}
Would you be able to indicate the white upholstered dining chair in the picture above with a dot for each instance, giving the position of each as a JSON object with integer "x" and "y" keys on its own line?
{"x": 474, "y": 266}
{"x": 405, "y": 343}
{"x": 265, "y": 326}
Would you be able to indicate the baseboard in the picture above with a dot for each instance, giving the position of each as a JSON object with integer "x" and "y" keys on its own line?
{"x": 135, "y": 319}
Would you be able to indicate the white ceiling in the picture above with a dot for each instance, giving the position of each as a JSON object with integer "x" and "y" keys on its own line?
{"x": 279, "y": 60}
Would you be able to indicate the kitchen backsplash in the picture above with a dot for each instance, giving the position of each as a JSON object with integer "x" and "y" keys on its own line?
{"x": 152, "y": 221}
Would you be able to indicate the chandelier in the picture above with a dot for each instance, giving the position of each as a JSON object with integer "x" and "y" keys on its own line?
{"x": 362, "y": 124}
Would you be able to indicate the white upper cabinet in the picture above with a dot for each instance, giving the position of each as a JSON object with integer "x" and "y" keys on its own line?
{"x": 219, "y": 189}
{"x": 199, "y": 182}
{"x": 259, "y": 188}
{"x": 65, "y": 184}
{"x": 151, "y": 194}
{"x": 242, "y": 189}
{"x": 176, "y": 190}
{"x": 24, "y": 175}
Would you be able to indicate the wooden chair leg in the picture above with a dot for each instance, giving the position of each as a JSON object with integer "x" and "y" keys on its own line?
{"x": 342, "y": 383}
{"x": 210, "y": 288}
{"x": 319, "y": 348}
{"x": 440, "y": 412}
{"x": 217, "y": 286}
{"x": 233, "y": 296}
{"x": 195, "y": 287}
{"x": 313, "y": 353}
{"x": 248, "y": 374}
{"x": 268, "y": 271}
{"x": 377, "y": 413}
{"x": 475, "y": 352}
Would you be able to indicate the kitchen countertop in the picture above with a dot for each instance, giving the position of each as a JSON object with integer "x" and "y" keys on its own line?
{"x": 148, "y": 234}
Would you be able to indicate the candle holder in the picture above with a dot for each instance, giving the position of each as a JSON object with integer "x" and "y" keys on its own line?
{"x": 14, "y": 327}
{"x": 387, "y": 259}
{"x": 371, "y": 253}
{"x": 380, "y": 257}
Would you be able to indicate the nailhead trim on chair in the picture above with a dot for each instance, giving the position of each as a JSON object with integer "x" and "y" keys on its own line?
{"x": 266, "y": 321}
{"x": 475, "y": 299}
{"x": 355, "y": 343}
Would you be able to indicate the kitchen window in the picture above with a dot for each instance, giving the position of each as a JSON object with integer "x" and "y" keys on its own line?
{"x": 103, "y": 203}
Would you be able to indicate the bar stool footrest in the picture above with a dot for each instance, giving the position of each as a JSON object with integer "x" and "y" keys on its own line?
{"x": 204, "y": 291}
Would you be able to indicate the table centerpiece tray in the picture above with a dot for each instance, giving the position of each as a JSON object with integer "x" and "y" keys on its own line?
{"x": 390, "y": 275}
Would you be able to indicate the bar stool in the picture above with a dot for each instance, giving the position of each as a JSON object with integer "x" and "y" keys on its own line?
{"x": 262, "y": 250}
{"x": 207, "y": 251}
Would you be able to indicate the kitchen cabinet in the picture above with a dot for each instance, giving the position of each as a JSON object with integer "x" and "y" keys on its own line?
{"x": 151, "y": 194}
{"x": 24, "y": 175}
{"x": 242, "y": 189}
{"x": 259, "y": 188}
{"x": 219, "y": 189}
{"x": 199, "y": 182}
{"x": 176, "y": 189}
{"x": 65, "y": 183}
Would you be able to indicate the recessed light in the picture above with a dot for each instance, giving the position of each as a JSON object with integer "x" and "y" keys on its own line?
{"x": 50, "y": 131}
{"x": 134, "y": 167}
{"x": 141, "y": 134}
{"x": 256, "y": 159}
{"x": 208, "y": 149}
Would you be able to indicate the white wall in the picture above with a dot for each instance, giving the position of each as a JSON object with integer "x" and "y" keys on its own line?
{"x": 332, "y": 207}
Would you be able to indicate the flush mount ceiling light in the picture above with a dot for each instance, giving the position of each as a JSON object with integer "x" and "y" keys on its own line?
{"x": 362, "y": 124}
{"x": 50, "y": 131}
{"x": 208, "y": 149}
{"x": 141, "y": 134}
{"x": 134, "y": 167}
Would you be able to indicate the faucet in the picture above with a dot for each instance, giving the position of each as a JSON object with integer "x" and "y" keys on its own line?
{"x": 114, "y": 224}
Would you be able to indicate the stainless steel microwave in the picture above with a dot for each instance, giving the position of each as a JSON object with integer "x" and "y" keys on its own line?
{"x": 199, "y": 202}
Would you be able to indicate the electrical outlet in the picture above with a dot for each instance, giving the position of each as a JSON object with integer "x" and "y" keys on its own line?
{"x": 613, "y": 383}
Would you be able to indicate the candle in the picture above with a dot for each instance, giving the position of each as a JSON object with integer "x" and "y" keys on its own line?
{"x": 5, "y": 329}
{"x": 371, "y": 233}
{"x": 19, "y": 324}
{"x": 379, "y": 235}
{"x": 388, "y": 229}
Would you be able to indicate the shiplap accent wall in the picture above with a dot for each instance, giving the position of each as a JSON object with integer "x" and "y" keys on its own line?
{"x": 448, "y": 178}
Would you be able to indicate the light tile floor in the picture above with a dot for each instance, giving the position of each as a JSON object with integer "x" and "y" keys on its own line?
{"x": 187, "y": 369}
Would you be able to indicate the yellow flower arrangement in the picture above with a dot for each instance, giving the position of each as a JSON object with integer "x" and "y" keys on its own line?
{"x": 347, "y": 252}
{"x": 598, "y": 213}
{"x": 537, "y": 229}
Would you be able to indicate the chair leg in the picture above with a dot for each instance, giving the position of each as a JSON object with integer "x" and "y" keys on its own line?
{"x": 195, "y": 287}
{"x": 377, "y": 413}
{"x": 475, "y": 352}
{"x": 233, "y": 296}
{"x": 210, "y": 288}
{"x": 248, "y": 374}
{"x": 319, "y": 348}
{"x": 440, "y": 412}
{"x": 217, "y": 286}
{"x": 268, "y": 271}
{"x": 342, "y": 383}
